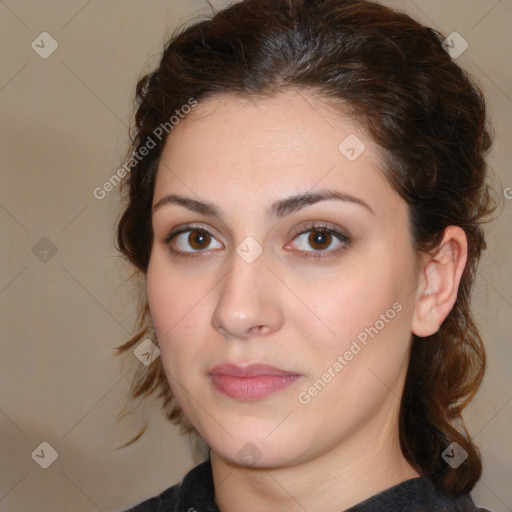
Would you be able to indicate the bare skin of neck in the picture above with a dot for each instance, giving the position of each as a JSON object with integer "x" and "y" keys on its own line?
{"x": 367, "y": 463}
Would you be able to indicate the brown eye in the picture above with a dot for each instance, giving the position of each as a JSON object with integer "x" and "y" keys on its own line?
{"x": 199, "y": 240}
{"x": 319, "y": 240}
{"x": 193, "y": 240}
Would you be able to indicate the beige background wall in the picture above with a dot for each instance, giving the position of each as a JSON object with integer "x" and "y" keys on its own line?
{"x": 63, "y": 133}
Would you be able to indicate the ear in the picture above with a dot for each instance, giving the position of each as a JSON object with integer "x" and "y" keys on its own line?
{"x": 438, "y": 282}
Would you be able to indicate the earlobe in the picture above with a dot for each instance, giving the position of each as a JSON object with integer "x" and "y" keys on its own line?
{"x": 439, "y": 281}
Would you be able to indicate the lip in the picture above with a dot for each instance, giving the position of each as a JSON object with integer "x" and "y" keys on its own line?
{"x": 252, "y": 382}
{"x": 251, "y": 370}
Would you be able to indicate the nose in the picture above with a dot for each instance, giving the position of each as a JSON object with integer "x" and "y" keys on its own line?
{"x": 248, "y": 303}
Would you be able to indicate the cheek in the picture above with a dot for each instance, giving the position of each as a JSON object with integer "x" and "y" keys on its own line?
{"x": 172, "y": 296}
{"x": 180, "y": 303}
{"x": 346, "y": 302}
{"x": 364, "y": 359}
{"x": 364, "y": 312}
{"x": 172, "y": 304}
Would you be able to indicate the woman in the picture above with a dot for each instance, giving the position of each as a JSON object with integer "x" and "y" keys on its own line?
{"x": 305, "y": 204}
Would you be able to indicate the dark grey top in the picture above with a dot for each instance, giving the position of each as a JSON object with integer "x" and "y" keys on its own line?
{"x": 196, "y": 493}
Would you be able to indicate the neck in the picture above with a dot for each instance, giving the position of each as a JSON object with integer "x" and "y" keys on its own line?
{"x": 331, "y": 482}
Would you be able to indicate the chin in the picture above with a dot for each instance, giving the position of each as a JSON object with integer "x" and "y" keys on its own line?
{"x": 251, "y": 451}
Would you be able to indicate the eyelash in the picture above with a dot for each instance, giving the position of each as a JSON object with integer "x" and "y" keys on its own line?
{"x": 323, "y": 228}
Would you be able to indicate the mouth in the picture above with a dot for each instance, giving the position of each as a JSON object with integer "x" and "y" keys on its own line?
{"x": 252, "y": 382}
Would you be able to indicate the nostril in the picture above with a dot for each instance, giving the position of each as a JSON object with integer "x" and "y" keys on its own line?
{"x": 220, "y": 328}
{"x": 257, "y": 329}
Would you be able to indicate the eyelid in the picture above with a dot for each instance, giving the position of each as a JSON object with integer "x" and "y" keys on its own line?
{"x": 176, "y": 232}
{"x": 190, "y": 227}
{"x": 337, "y": 231}
{"x": 340, "y": 234}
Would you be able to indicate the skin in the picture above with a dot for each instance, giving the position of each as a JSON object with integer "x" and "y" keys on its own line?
{"x": 284, "y": 309}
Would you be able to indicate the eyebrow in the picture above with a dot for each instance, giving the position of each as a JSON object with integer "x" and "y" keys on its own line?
{"x": 294, "y": 203}
{"x": 190, "y": 204}
{"x": 277, "y": 210}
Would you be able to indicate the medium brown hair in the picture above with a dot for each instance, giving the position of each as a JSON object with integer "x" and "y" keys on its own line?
{"x": 417, "y": 104}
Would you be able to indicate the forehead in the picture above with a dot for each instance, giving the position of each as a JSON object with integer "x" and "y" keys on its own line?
{"x": 258, "y": 149}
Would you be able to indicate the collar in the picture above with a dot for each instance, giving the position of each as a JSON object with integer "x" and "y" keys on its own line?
{"x": 196, "y": 494}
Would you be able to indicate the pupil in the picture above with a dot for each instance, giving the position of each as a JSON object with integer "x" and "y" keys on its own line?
{"x": 319, "y": 239}
{"x": 198, "y": 240}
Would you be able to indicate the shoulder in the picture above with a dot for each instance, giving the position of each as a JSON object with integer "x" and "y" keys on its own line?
{"x": 196, "y": 492}
{"x": 417, "y": 495}
{"x": 464, "y": 503}
{"x": 165, "y": 502}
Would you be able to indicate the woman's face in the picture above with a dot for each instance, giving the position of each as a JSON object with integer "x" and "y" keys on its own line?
{"x": 277, "y": 241}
